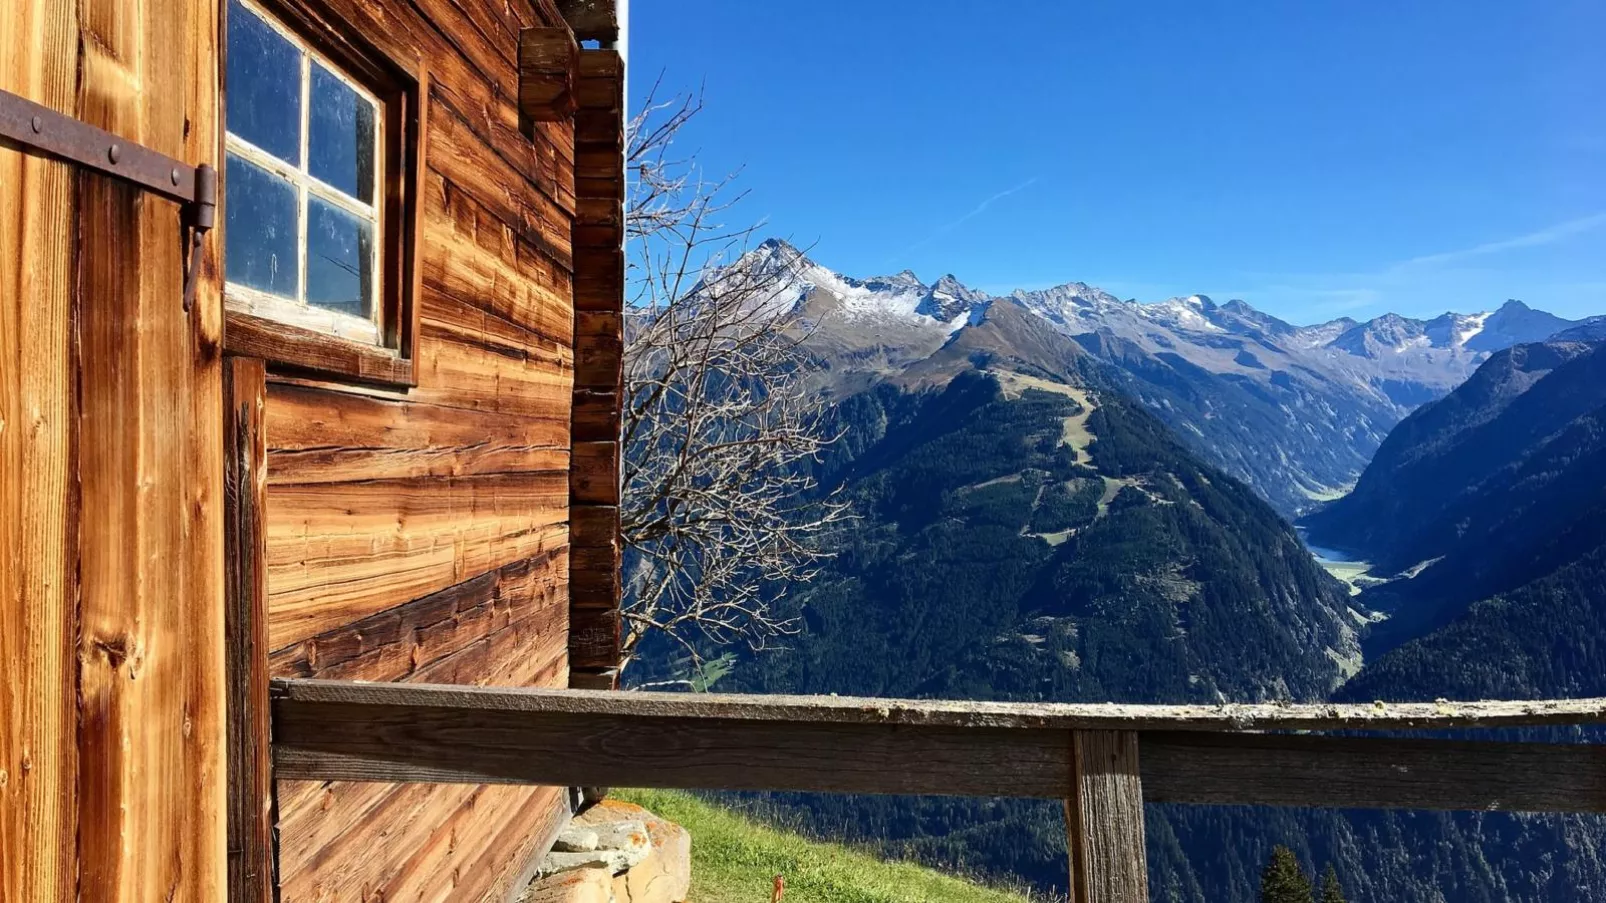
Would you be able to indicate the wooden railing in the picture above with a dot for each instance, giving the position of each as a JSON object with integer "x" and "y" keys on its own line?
{"x": 1105, "y": 761}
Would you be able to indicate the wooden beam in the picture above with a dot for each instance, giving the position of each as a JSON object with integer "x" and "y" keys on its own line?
{"x": 1104, "y": 819}
{"x": 549, "y": 66}
{"x": 373, "y": 732}
{"x": 592, "y": 20}
{"x": 1373, "y": 773}
{"x": 361, "y": 741}
{"x": 958, "y": 713}
{"x": 250, "y": 781}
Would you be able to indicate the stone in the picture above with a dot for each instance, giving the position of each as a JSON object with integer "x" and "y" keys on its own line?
{"x": 664, "y": 876}
{"x": 615, "y": 861}
{"x": 576, "y": 839}
{"x": 582, "y": 885}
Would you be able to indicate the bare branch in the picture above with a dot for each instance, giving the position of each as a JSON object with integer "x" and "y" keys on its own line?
{"x": 720, "y": 516}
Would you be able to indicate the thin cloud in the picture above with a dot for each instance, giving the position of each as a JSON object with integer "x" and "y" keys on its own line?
{"x": 1547, "y": 236}
{"x": 975, "y": 211}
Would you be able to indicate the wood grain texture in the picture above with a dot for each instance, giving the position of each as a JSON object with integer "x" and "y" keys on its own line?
{"x": 827, "y": 744}
{"x": 1064, "y": 716}
{"x": 315, "y": 352}
{"x": 389, "y": 743}
{"x": 548, "y": 67}
{"x": 38, "y": 616}
{"x": 594, "y": 632}
{"x": 250, "y": 824}
{"x": 340, "y": 552}
{"x": 1363, "y": 772}
{"x": 1104, "y": 819}
{"x": 398, "y": 643}
{"x": 472, "y": 256}
{"x": 322, "y": 436}
{"x": 152, "y": 694}
{"x": 592, "y": 20}
{"x": 594, "y": 477}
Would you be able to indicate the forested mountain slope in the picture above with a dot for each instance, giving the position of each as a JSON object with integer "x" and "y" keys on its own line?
{"x": 1032, "y": 540}
{"x": 1498, "y": 486}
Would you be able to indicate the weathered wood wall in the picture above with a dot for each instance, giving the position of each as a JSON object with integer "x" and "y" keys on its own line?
{"x": 599, "y": 264}
{"x": 423, "y": 536}
{"x": 112, "y": 697}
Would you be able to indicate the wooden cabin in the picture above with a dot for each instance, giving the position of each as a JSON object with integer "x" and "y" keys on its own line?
{"x": 310, "y": 329}
{"x": 309, "y": 365}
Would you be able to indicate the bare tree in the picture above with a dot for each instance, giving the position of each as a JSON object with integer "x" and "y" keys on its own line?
{"x": 720, "y": 513}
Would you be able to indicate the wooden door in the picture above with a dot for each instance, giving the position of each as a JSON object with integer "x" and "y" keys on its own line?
{"x": 111, "y": 647}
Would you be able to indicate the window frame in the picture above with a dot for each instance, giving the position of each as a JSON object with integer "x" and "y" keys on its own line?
{"x": 251, "y": 328}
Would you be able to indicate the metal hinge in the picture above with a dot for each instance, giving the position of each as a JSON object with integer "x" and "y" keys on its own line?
{"x": 39, "y": 128}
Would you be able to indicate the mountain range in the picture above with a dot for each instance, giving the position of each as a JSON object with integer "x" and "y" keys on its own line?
{"x": 1294, "y": 411}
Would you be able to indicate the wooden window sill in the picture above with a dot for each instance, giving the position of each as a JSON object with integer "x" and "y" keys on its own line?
{"x": 315, "y": 352}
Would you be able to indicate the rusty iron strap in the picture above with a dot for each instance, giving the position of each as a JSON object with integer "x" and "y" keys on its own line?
{"x": 38, "y": 128}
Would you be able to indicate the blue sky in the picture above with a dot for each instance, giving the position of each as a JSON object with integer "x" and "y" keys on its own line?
{"x": 1314, "y": 158}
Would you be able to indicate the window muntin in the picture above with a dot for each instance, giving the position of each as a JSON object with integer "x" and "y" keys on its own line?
{"x": 302, "y": 173}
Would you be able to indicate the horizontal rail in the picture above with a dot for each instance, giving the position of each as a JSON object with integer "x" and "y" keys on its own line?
{"x": 1275, "y": 716}
{"x": 1187, "y": 754}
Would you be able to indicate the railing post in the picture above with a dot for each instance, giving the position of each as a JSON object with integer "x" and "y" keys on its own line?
{"x": 1104, "y": 819}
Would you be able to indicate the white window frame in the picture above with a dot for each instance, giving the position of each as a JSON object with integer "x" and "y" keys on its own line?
{"x": 297, "y": 311}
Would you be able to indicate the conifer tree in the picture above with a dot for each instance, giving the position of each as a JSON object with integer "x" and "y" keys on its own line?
{"x": 1283, "y": 881}
{"x": 1331, "y": 891}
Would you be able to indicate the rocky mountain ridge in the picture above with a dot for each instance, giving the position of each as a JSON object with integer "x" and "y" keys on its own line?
{"x": 1260, "y": 397}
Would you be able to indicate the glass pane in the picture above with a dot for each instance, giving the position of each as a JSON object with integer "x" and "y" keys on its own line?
{"x": 341, "y": 150}
{"x": 263, "y": 93}
{"x": 260, "y": 231}
{"x": 340, "y": 259}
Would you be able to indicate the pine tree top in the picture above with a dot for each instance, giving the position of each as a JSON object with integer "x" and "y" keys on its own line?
{"x": 1283, "y": 881}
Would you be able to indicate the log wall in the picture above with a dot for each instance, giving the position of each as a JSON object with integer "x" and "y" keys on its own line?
{"x": 422, "y": 535}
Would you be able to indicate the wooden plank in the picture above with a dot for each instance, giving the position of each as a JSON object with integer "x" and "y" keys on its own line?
{"x": 328, "y": 730}
{"x": 250, "y": 819}
{"x": 596, "y": 415}
{"x": 594, "y": 636}
{"x": 474, "y": 257}
{"x": 322, "y": 436}
{"x": 549, "y": 63}
{"x": 38, "y": 528}
{"x": 594, "y": 478}
{"x": 1064, "y": 716}
{"x": 316, "y": 352}
{"x": 1104, "y": 819}
{"x": 152, "y": 737}
{"x": 357, "y": 741}
{"x": 397, "y": 643}
{"x": 457, "y": 373}
{"x": 340, "y": 552}
{"x": 1364, "y": 772}
{"x": 592, "y": 20}
{"x": 468, "y": 162}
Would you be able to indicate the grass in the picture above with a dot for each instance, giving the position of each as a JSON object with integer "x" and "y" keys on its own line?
{"x": 735, "y": 860}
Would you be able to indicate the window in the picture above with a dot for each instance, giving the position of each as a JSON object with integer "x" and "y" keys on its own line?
{"x": 316, "y": 154}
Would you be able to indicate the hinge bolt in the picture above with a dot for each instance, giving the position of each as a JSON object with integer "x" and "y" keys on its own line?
{"x": 114, "y": 153}
{"x": 38, "y": 125}
{"x": 175, "y": 175}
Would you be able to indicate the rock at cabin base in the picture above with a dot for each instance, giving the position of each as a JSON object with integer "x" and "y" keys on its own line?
{"x": 575, "y": 839}
{"x": 632, "y": 854}
{"x": 584, "y": 885}
{"x": 664, "y": 875}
